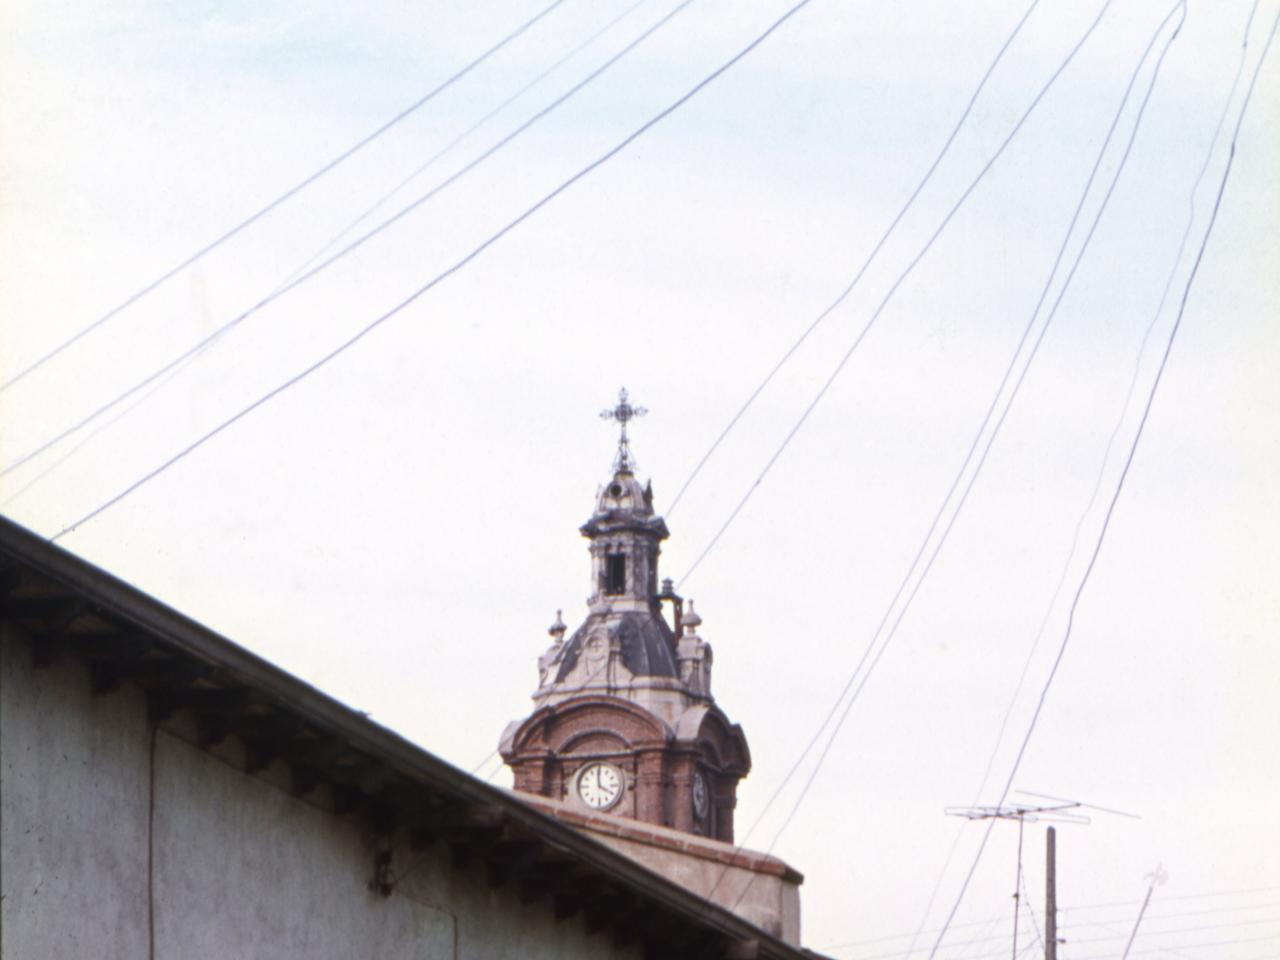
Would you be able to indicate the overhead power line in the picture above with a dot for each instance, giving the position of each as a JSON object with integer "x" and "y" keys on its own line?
{"x": 281, "y": 291}
{"x": 1177, "y": 914}
{"x": 448, "y": 147}
{"x": 1144, "y": 935}
{"x": 1018, "y": 685}
{"x": 894, "y": 954}
{"x": 840, "y": 299}
{"x": 1186, "y": 946}
{"x": 1124, "y": 473}
{"x": 1124, "y": 409}
{"x": 1162, "y": 949}
{"x": 882, "y": 636}
{"x": 857, "y": 671}
{"x": 1197, "y": 928}
{"x": 924, "y": 571}
{"x": 104, "y": 425}
{"x": 893, "y": 289}
{"x": 1025, "y": 900}
{"x": 911, "y": 572}
{"x": 172, "y": 369}
{"x": 866, "y": 264}
{"x": 475, "y": 252}
{"x": 1081, "y": 907}
{"x": 291, "y": 192}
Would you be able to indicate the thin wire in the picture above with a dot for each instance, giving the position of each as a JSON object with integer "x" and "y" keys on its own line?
{"x": 1035, "y": 926}
{"x": 889, "y": 296}
{"x": 1036, "y": 346}
{"x": 1133, "y": 449}
{"x": 1188, "y": 896}
{"x": 867, "y": 651}
{"x": 1193, "y": 929}
{"x": 890, "y": 955}
{"x": 999, "y": 424}
{"x": 292, "y": 191}
{"x": 202, "y": 348}
{"x": 1071, "y": 553}
{"x": 1017, "y": 891}
{"x": 1187, "y": 946}
{"x": 349, "y": 248}
{"x": 986, "y": 938}
{"x": 848, "y": 944}
{"x": 1115, "y": 430}
{"x": 1177, "y": 915}
{"x": 973, "y": 951}
{"x": 494, "y": 238}
{"x": 1168, "y": 949}
{"x": 946, "y": 147}
{"x": 891, "y": 632}
{"x": 106, "y": 424}
{"x": 1138, "y": 922}
{"x": 1094, "y": 906}
{"x": 447, "y": 148}
{"x": 972, "y": 954}
{"x": 1119, "y": 936}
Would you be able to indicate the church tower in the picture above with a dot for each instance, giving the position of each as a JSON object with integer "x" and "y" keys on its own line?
{"x": 624, "y": 721}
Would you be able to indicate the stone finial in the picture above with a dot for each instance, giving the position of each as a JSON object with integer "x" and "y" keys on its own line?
{"x": 691, "y": 621}
{"x": 693, "y": 655}
{"x": 557, "y": 629}
{"x": 552, "y": 656}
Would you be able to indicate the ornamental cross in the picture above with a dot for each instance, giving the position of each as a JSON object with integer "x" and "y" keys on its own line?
{"x": 623, "y": 413}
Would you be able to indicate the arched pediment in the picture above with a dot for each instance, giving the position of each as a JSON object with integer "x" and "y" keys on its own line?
{"x": 708, "y": 727}
{"x": 594, "y": 741}
{"x": 562, "y": 728}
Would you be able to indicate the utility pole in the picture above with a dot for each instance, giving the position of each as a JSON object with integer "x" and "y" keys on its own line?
{"x": 1060, "y": 812}
{"x": 1050, "y": 897}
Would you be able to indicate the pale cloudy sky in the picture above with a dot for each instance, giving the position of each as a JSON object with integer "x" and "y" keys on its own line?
{"x": 400, "y": 528}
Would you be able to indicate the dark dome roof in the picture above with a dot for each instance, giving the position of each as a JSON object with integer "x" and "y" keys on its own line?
{"x": 646, "y": 642}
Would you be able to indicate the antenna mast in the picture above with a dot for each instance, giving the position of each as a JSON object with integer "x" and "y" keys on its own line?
{"x": 1058, "y": 812}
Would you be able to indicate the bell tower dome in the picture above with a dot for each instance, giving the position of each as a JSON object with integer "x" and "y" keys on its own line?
{"x": 624, "y": 721}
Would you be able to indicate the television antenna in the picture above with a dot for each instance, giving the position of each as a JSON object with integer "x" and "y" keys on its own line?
{"x": 1058, "y": 810}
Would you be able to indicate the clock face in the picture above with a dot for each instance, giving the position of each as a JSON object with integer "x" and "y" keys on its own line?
{"x": 699, "y": 795}
{"x": 600, "y": 786}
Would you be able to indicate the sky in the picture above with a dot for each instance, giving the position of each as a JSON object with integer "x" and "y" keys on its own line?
{"x": 400, "y": 527}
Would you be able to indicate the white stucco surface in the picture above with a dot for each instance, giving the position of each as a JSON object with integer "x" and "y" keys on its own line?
{"x": 73, "y": 814}
{"x": 239, "y": 867}
{"x": 759, "y": 888}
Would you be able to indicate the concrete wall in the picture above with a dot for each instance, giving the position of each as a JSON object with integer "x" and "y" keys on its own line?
{"x": 768, "y": 901}
{"x": 110, "y": 848}
{"x": 759, "y": 888}
{"x": 73, "y": 815}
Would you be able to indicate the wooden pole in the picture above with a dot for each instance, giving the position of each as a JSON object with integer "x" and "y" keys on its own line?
{"x": 1050, "y": 899}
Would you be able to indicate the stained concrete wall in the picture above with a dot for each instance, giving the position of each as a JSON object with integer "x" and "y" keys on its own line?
{"x": 112, "y": 849}
{"x": 73, "y": 815}
{"x": 758, "y": 887}
{"x": 766, "y": 900}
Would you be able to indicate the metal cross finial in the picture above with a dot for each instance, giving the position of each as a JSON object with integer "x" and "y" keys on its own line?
{"x": 623, "y": 412}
